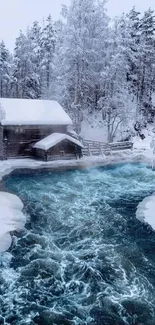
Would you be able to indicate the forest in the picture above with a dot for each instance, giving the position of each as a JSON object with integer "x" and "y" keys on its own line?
{"x": 88, "y": 63}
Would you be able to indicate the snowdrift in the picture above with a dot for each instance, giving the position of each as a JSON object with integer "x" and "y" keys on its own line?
{"x": 11, "y": 218}
{"x": 146, "y": 211}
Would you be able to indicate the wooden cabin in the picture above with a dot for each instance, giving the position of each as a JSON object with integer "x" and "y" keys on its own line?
{"x": 25, "y": 123}
{"x": 57, "y": 146}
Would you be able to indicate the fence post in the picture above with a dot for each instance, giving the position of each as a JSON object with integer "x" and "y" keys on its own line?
{"x": 101, "y": 152}
{"x": 89, "y": 150}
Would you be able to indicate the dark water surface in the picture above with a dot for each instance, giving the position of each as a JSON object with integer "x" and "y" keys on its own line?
{"x": 84, "y": 257}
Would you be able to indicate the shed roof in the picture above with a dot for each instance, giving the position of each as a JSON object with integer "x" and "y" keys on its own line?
{"x": 53, "y": 139}
{"x": 33, "y": 112}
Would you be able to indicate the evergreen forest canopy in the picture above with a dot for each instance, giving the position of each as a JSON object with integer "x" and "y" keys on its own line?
{"x": 86, "y": 62}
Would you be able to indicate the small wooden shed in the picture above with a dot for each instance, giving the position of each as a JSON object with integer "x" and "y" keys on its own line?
{"x": 58, "y": 146}
{"x": 25, "y": 122}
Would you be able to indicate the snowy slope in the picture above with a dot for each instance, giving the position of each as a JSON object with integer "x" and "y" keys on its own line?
{"x": 94, "y": 133}
{"x": 94, "y": 128}
{"x": 146, "y": 142}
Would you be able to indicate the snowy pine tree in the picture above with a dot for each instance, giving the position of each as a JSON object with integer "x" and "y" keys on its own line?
{"x": 94, "y": 69}
{"x": 147, "y": 59}
{"x": 26, "y": 79}
{"x": 80, "y": 55}
{"x": 47, "y": 54}
{"x": 35, "y": 40}
{"x": 5, "y": 70}
{"x": 2, "y": 113}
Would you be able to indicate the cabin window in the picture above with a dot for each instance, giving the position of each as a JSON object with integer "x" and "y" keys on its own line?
{"x": 20, "y": 130}
{"x": 5, "y": 135}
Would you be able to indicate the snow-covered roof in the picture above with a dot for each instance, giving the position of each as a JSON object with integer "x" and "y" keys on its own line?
{"x": 54, "y": 139}
{"x": 33, "y": 112}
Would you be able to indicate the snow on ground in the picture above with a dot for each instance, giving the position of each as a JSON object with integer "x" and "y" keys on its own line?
{"x": 142, "y": 144}
{"x": 118, "y": 156}
{"x": 11, "y": 218}
{"x": 95, "y": 128}
{"x": 146, "y": 211}
{"x": 95, "y": 133}
{"x": 145, "y": 143}
{"x": 11, "y": 201}
{"x": 31, "y": 112}
{"x": 99, "y": 133}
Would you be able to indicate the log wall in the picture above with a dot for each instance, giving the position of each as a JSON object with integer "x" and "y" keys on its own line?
{"x": 2, "y": 148}
{"x": 63, "y": 150}
{"x": 20, "y": 139}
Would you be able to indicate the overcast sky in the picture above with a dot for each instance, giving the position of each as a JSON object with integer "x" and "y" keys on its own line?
{"x": 18, "y": 14}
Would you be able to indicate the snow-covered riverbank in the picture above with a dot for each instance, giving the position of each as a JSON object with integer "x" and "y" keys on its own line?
{"x": 11, "y": 218}
{"x": 139, "y": 154}
{"x": 146, "y": 211}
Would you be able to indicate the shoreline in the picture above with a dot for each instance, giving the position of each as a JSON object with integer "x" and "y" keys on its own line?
{"x": 128, "y": 156}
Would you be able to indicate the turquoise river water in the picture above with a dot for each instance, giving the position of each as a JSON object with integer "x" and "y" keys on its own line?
{"x": 83, "y": 258}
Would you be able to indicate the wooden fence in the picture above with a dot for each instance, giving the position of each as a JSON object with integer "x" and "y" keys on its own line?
{"x": 96, "y": 148}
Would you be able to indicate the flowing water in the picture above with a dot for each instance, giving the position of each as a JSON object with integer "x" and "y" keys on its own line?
{"x": 84, "y": 258}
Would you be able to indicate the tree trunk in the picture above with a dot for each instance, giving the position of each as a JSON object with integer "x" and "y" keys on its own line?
{"x": 76, "y": 93}
{"x": 109, "y": 127}
{"x": 1, "y": 88}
